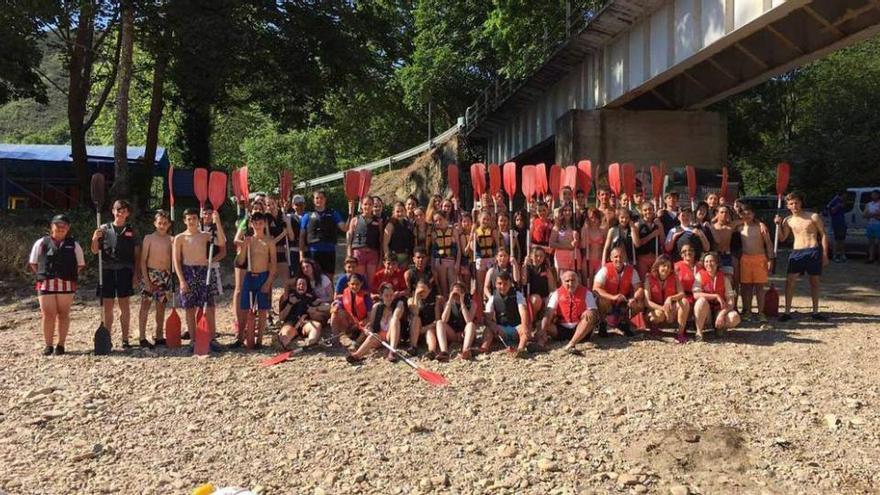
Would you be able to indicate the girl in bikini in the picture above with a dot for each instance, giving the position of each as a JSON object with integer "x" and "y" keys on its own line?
{"x": 564, "y": 240}
{"x": 594, "y": 235}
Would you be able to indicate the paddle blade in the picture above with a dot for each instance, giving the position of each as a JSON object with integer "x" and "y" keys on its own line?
{"x": 724, "y": 182}
{"x": 692, "y": 181}
{"x": 366, "y": 181}
{"x": 97, "y": 190}
{"x": 782, "y": 175}
{"x": 510, "y": 179}
{"x": 102, "y": 341}
{"x": 217, "y": 189}
{"x": 585, "y": 176}
{"x": 570, "y": 177}
{"x": 171, "y": 185}
{"x": 172, "y": 330}
{"x": 656, "y": 182}
{"x": 200, "y": 184}
{"x": 435, "y": 379}
{"x": 452, "y": 177}
{"x": 272, "y": 361}
{"x": 286, "y": 185}
{"x": 494, "y": 178}
{"x": 528, "y": 181}
{"x": 541, "y": 185}
{"x": 478, "y": 179}
{"x": 202, "y": 344}
{"x": 243, "y": 184}
{"x": 352, "y": 180}
{"x": 614, "y": 179}
{"x": 628, "y": 171}
{"x": 236, "y": 183}
{"x": 555, "y": 181}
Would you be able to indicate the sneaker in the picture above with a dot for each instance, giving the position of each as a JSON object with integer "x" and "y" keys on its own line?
{"x": 762, "y": 318}
{"x": 236, "y": 345}
{"x": 126, "y": 345}
{"x": 784, "y": 317}
{"x": 215, "y": 346}
{"x": 603, "y": 329}
{"x": 681, "y": 338}
{"x": 59, "y": 350}
{"x": 443, "y": 357}
{"x": 520, "y": 354}
{"x": 623, "y": 326}
{"x": 47, "y": 351}
{"x": 158, "y": 342}
{"x": 145, "y": 344}
{"x": 818, "y": 316}
{"x": 185, "y": 336}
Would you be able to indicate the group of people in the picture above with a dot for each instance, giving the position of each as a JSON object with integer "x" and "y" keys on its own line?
{"x": 423, "y": 278}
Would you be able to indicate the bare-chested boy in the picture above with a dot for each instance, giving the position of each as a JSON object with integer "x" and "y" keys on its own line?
{"x": 190, "y": 255}
{"x": 156, "y": 270}
{"x": 755, "y": 262}
{"x": 810, "y": 253}
{"x": 722, "y": 232}
{"x": 257, "y": 253}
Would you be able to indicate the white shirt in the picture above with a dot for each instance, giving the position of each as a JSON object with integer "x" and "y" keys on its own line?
{"x": 602, "y": 276}
{"x": 873, "y": 208}
{"x": 554, "y": 301}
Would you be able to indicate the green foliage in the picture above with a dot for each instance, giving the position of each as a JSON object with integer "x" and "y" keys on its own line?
{"x": 20, "y": 54}
{"x": 308, "y": 153}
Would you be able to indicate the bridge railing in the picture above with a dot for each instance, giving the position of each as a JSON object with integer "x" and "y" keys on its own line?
{"x": 384, "y": 162}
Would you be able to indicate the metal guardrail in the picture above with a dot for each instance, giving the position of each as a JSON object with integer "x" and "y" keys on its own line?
{"x": 385, "y": 162}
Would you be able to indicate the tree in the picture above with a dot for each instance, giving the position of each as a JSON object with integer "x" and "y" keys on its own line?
{"x": 20, "y": 57}
{"x": 121, "y": 182}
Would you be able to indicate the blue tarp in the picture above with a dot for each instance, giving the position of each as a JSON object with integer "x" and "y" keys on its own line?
{"x": 59, "y": 154}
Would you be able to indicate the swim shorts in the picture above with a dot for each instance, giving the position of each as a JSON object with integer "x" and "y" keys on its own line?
{"x": 753, "y": 269}
{"x": 726, "y": 263}
{"x": 839, "y": 232}
{"x": 808, "y": 260}
{"x": 199, "y": 293}
{"x": 251, "y": 289}
{"x": 564, "y": 333}
{"x": 117, "y": 283}
{"x": 872, "y": 231}
{"x": 366, "y": 256}
{"x": 162, "y": 280}
{"x": 510, "y": 335}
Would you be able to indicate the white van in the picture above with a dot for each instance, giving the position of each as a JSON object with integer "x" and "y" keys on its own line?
{"x": 856, "y": 199}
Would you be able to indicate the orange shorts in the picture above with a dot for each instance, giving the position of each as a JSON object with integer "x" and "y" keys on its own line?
{"x": 753, "y": 269}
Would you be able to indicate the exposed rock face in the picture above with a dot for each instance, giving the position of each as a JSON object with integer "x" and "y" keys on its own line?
{"x": 425, "y": 177}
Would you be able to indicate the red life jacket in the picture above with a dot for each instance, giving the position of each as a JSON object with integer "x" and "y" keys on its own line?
{"x": 618, "y": 284}
{"x": 658, "y": 292}
{"x": 717, "y": 284}
{"x": 541, "y": 229}
{"x": 358, "y": 307}
{"x": 570, "y": 307}
{"x": 685, "y": 276}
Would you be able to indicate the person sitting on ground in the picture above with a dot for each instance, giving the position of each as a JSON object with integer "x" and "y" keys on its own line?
{"x": 295, "y": 303}
{"x": 456, "y": 325}
{"x": 121, "y": 251}
{"x": 571, "y": 314}
{"x": 349, "y": 312}
{"x": 424, "y": 308}
{"x": 321, "y": 286}
{"x": 620, "y": 293}
{"x": 257, "y": 253}
{"x": 809, "y": 254}
{"x": 506, "y": 317}
{"x": 755, "y": 262}
{"x": 190, "y": 258}
{"x": 386, "y": 319}
{"x": 716, "y": 300}
{"x": 503, "y": 264}
{"x": 56, "y": 259}
{"x": 156, "y": 267}
{"x": 349, "y": 268}
{"x": 539, "y": 278}
{"x": 665, "y": 301}
{"x": 391, "y": 274}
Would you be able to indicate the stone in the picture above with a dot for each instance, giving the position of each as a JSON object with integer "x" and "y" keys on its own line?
{"x": 639, "y": 488}
{"x": 627, "y": 479}
{"x": 507, "y": 451}
{"x": 832, "y": 421}
{"x": 679, "y": 490}
{"x": 547, "y": 466}
{"x": 440, "y": 480}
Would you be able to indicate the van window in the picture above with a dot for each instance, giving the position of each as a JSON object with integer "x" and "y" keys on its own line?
{"x": 849, "y": 200}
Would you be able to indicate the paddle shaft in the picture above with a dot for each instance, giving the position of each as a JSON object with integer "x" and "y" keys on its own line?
{"x": 393, "y": 350}
{"x": 776, "y": 235}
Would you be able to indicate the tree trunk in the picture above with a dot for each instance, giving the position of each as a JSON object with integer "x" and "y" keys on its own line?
{"x": 157, "y": 105}
{"x": 77, "y": 96}
{"x": 121, "y": 182}
{"x": 196, "y": 129}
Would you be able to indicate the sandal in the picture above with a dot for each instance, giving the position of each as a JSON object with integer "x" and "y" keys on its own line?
{"x": 126, "y": 344}
{"x": 681, "y": 338}
{"x": 391, "y": 357}
{"x": 443, "y": 357}
{"x": 354, "y": 361}
{"x": 466, "y": 355}
{"x": 573, "y": 351}
{"x": 47, "y": 351}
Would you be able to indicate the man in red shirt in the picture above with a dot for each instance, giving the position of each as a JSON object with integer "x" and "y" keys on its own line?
{"x": 389, "y": 273}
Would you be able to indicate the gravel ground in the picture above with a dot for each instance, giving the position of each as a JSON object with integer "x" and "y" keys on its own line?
{"x": 794, "y": 410}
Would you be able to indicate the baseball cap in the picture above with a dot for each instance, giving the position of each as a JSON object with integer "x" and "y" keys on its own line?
{"x": 61, "y": 218}
{"x": 298, "y": 199}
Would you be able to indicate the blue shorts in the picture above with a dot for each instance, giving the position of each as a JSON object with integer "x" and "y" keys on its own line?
{"x": 251, "y": 286}
{"x": 510, "y": 334}
{"x": 807, "y": 261}
{"x": 873, "y": 231}
{"x": 726, "y": 263}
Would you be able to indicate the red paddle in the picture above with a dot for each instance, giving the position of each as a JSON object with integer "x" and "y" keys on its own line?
{"x": 692, "y": 185}
{"x": 723, "y": 191}
{"x": 570, "y": 178}
{"x": 285, "y": 185}
{"x": 628, "y": 171}
{"x": 217, "y": 189}
{"x": 171, "y": 190}
{"x": 200, "y": 186}
{"x": 172, "y": 322}
{"x": 783, "y": 170}
{"x": 277, "y": 359}
{"x": 366, "y": 181}
{"x": 452, "y": 178}
{"x": 585, "y": 176}
{"x": 243, "y": 184}
{"x": 352, "y": 180}
{"x": 656, "y": 184}
{"x": 614, "y": 178}
{"x": 555, "y": 181}
{"x": 528, "y": 182}
{"x": 541, "y": 180}
{"x": 478, "y": 181}
{"x": 510, "y": 189}
{"x": 494, "y": 179}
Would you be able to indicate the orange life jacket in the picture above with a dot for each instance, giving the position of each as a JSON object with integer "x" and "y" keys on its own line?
{"x": 357, "y": 305}
{"x": 570, "y": 307}
{"x": 717, "y": 284}
{"x": 618, "y": 283}
{"x": 659, "y": 292}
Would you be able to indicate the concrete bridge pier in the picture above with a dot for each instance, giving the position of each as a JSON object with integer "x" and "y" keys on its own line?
{"x": 642, "y": 137}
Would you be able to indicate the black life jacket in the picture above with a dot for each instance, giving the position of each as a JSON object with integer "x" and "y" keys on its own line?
{"x": 506, "y": 309}
{"x": 295, "y": 225}
{"x": 644, "y": 231}
{"x": 57, "y": 261}
{"x": 402, "y": 237}
{"x": 122, "y": 250}
{"x": 414, "y": 275}
{"x": 498, "y": 270}
{"x": 538, "y": 279}
{"x": 321, "y": 227}
{"x": 456, "y": 318}
{"x": 366, "y": 235}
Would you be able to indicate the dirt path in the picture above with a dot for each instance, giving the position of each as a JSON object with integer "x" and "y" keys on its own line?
{"x": 796, "y": 410}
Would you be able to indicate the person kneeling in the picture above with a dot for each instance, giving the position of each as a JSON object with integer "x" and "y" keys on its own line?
{"x": 665, "y": 301}
{"x": 571, "y": 313}
{"x": 620, "y": 293}
{"x": 295, "y": 304}
{"x": 456, "y": 324}
{"x": 386, "y": 319}
{"x": 351, "y": 308}
{"x": 715, "y": 297}
{"x": 506, "y": 317}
